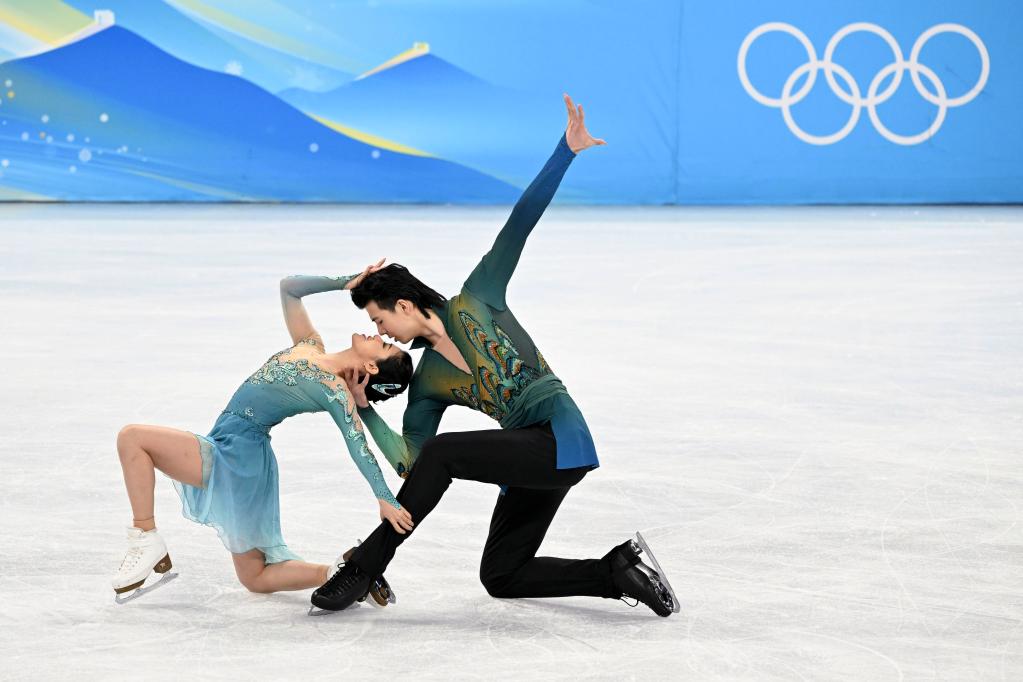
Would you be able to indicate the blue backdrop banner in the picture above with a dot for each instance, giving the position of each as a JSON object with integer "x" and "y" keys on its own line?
{"x": 734, "y": 101}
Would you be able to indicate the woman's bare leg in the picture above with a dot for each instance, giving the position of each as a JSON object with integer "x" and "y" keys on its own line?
{"x": 256, "y": 576}
{"x": 145, "y": 448}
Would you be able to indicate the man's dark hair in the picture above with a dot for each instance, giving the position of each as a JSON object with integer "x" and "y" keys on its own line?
{"x": 393, "y": 378}
{"x": 387, "y": 286}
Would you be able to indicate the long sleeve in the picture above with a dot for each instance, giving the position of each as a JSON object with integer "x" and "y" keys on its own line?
{"x": 342, "y": 408}
{"x": 422, "y": 417}
{"x": 296, "y": 318}
{"x": 489, "y": 280}
{"x": 304, "y": 285}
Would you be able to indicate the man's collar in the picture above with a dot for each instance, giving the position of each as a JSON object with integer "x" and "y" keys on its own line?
{"x": 442, "y": 312}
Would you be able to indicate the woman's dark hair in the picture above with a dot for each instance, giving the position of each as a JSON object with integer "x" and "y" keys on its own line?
{"x": 387, "y": 285}
{"x": 393, "y": 378}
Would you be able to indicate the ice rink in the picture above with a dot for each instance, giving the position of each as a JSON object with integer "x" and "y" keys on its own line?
{"x": 815, "y": 417}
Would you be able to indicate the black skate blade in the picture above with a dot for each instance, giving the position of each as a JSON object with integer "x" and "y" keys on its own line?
{"x": 121, "y": 599}
{"x": 675, "y": 606}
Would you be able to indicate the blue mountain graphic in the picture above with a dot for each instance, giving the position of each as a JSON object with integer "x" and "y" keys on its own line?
{"x": 112, "y": 117}
{"x": 191, "y": 41}
{"x": 424, "y": 77}
{"x": 430, "y": 104}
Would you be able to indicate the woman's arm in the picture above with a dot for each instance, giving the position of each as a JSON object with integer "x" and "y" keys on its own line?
{"x": 342, "y": 408}
{"x": 293, "y": 288}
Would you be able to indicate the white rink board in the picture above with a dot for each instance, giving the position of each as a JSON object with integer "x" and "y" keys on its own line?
{"x": 815, "y": 416}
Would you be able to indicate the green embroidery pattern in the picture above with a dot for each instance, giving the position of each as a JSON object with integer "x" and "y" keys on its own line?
{"x": 279, "y": 371}
{"x": 542, "y": 364}
{"x": 506, "y": 376}
{"x": 275, "y": 370}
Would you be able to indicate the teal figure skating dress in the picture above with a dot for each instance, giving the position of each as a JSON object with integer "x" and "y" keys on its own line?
{"x": 240, "y": 493}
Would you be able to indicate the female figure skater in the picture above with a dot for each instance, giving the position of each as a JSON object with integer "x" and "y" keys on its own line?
{"x": 228, "y": 479}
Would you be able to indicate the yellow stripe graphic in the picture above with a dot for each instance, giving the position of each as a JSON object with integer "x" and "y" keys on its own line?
{"x": 369, "y": 139}
{"x": 48, "y": 21}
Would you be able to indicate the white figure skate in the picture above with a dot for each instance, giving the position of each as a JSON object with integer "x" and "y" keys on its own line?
{"x": 146, "y": 553}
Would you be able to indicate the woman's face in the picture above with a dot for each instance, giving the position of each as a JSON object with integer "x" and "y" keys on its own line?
{"x": 373, "y": 348}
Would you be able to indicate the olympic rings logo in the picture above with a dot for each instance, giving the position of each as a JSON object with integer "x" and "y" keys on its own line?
{"x": 851, "y": 93}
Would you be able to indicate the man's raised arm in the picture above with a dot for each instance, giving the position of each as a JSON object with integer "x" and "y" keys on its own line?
{"x": 489, "y": 280}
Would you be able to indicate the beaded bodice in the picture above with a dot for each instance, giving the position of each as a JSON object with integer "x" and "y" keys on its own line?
{"x": 291, "y": 383}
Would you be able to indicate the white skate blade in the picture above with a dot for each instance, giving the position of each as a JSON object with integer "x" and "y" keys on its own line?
{"x": 675, "y": 606}
{"x": 375, "y": 604}
{"x": 317, "y": 611}
{"x": 146, "y": 589}
{"x": 371, "y": 600}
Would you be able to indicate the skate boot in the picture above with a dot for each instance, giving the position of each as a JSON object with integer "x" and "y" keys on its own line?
{"x": 146, "y": 553}
{"x": 380, "y": 593}
{"x": 348, "y": 584}
{"x": 638, "y": 581}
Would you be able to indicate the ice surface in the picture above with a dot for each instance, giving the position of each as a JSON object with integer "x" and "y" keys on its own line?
{"x": 815, "y": 416}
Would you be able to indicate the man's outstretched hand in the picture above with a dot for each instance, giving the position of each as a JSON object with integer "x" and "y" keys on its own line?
{"x": 576, "y": 135}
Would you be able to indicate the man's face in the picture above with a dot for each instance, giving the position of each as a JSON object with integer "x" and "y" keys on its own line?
{"x": 399, "y": 324}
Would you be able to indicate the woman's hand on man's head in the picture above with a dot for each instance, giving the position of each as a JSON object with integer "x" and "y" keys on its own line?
{"x": 370, "y": 269}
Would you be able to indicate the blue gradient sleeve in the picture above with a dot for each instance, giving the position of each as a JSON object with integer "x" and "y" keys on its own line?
{"x": 489, "y": 280}
{"x": 342, "y": 408}
{"x": 304, "y": 285}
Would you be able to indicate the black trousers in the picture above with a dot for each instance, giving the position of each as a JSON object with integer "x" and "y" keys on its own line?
{"x": 525, "y": 460}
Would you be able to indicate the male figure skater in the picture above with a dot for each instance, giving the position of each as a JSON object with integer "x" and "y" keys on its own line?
{"x": 477, "y": 355}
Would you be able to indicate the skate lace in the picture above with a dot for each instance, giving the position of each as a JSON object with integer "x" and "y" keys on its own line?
{"x": 131, "y": 558}
{"x": 342, "y": 580}
{"x": 660, "y": 592}
{"x": 338, "y": 566}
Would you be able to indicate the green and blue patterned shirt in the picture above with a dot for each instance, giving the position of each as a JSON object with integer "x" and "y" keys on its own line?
{"x": 511, "y": 381}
